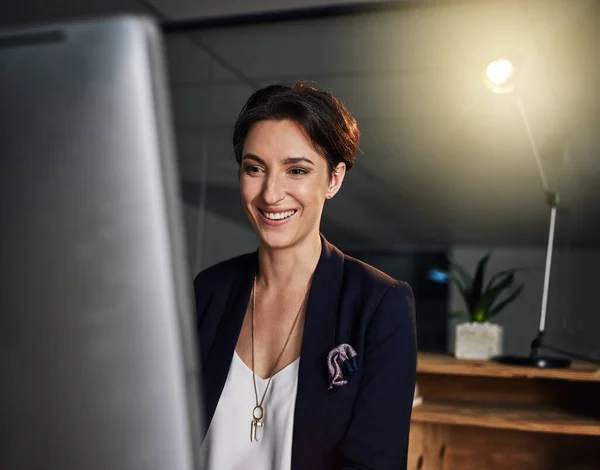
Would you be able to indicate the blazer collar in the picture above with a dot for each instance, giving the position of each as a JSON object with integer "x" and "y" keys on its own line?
{"x": 318, "y": 339}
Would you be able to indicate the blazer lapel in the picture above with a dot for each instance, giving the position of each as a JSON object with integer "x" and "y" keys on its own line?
{"x": 218, "y": 360}
{"x": 318, "y": 339}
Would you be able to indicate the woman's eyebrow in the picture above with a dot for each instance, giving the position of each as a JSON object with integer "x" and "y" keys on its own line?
{"x": 256, "y": 158}
{"x": 292, "y": 160}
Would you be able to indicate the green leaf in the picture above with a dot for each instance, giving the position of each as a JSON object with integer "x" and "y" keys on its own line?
{"x": 479, "y": 277}
{"x": 506, "y": 279}
{"x": 479, "y": 316}
{"x": 464, "y": 286}
{"x": 490, "y": 296}
{"x": 458, "y": 281}
{"x": 505, "y": 302}
{"x": 500, "y": 274}
{"x": 467, "y": 291}
{"x": 466, "y": 295}
{"x": 459, "y": 284}
{"x": 462, "y": 273}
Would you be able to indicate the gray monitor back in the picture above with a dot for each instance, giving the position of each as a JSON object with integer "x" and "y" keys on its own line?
{"x": 97, "y": 358}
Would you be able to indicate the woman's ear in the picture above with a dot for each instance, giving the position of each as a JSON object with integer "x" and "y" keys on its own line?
{"x": 335, "y": 182}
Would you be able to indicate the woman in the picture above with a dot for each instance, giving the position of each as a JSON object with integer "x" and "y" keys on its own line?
{"x": 308, "y": 355}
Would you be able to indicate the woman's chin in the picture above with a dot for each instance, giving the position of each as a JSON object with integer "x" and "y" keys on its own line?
{"x": 276, "y": 241}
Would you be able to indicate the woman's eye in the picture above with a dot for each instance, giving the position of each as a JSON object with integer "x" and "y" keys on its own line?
{"x": 298, "y": 171}
{"x": 251, "y": 169}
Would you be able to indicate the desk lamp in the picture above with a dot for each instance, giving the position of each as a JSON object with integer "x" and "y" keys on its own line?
{"x": 499, "y": 76}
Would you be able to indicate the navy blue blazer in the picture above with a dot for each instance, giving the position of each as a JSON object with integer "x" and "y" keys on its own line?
{"x": 361, "y": 425}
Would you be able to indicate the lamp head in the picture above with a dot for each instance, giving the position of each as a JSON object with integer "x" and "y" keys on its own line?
{"x": 499, "y": 76}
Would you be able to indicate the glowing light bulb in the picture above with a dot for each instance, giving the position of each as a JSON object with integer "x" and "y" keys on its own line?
{"x": 499, "y": 71}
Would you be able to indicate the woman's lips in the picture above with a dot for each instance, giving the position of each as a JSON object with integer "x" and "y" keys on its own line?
{"x": 276, "y": 218}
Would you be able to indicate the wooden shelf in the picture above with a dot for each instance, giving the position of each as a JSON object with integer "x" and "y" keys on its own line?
{"x": 481, "y": 414}
{"x": 510, "y": 417}
{"x": 443, "y": 364}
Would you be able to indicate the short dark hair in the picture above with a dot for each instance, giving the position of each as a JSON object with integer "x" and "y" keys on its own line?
{"x": 329, "y": 125}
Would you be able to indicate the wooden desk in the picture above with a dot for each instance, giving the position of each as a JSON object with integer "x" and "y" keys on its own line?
{"x": 485, "y": 416}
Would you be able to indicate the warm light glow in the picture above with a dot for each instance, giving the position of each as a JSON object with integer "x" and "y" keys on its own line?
{"x": 499, "y": 71}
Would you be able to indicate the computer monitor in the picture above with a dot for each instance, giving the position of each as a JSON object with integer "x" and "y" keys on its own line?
{"x": 97, "y": 355}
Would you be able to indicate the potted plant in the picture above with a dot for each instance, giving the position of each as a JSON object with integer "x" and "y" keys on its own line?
{"x": 479, "y": 338}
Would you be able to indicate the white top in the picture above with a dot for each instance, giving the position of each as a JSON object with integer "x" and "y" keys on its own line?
{"x": 227, "y": 445}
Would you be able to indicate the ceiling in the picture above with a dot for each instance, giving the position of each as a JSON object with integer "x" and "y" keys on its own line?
{"x": 443, "y": 160}
{"x": 28, "y": 11}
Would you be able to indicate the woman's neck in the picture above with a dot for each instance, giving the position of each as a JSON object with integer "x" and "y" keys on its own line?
{"x": 289, "y": 267}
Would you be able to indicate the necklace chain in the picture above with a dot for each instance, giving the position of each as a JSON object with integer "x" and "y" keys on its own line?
{"x": 259, "y": 404}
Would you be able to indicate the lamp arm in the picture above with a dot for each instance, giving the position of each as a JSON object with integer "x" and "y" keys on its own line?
{"x": 552, "y": 201}
{"x": 534, "y": 147}
{"x": 548, "y": 267}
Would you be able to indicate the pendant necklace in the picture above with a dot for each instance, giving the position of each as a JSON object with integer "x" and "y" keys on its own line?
{"x": 258, "y": 413}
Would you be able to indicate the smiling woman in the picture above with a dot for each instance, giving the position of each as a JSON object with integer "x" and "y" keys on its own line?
{"x": 309, "y": 355}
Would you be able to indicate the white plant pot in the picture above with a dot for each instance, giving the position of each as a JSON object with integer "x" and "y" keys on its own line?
{"x": 478, "y": 340}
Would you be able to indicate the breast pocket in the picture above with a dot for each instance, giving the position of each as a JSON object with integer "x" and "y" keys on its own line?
{"x": 345, "y": 391}
{"x": 340, "y": 404}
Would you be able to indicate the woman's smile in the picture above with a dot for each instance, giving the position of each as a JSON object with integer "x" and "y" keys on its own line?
{"x": 276, "y": 218}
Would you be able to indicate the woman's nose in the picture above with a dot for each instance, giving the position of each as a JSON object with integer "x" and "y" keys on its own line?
{"x": 274, "y": 189}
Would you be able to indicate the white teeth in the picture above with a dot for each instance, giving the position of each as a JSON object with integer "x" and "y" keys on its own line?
{"x": 278, "y": 215}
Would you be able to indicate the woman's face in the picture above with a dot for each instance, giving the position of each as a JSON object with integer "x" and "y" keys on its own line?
{"x": 284, "y": 182}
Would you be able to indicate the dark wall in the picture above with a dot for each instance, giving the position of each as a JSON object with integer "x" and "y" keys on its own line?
{"x": 432, "y": 299}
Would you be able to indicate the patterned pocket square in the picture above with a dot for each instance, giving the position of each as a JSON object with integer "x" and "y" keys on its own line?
{"x": 342, "y": 362}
